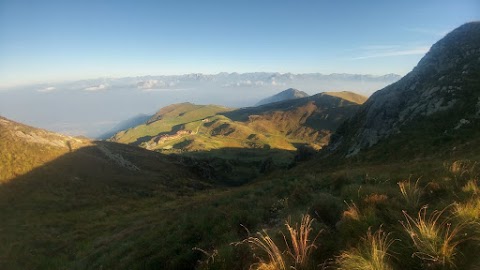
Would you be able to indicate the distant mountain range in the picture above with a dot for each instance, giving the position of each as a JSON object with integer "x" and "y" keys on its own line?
{"x": 94, "y": 107}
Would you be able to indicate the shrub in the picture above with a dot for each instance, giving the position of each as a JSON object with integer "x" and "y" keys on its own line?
{"x": 327, "y": 209}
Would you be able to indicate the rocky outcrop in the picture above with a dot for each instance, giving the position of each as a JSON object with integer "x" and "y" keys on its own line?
{"x": 162, "y": 138}
{"x": 116, "y": 158}
{"x": 446, "y": 79}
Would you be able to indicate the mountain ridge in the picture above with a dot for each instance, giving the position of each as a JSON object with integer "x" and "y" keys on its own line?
{"x": 290, "y": 93}
{"x": 125, "y": 124}
{"x": 445, "y": 80}
{"x": 278, "y": 119}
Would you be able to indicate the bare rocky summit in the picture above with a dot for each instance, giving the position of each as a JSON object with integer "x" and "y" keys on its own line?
{"x": 447, "y": 80}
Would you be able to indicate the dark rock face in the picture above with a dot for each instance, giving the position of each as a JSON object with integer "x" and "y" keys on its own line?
{"x": 446, "y": 79}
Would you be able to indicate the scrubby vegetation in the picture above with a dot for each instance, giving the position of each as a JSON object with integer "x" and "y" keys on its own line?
{"x": 369, "y": 230}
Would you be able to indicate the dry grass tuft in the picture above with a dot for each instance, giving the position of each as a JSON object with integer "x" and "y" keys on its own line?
{"x": 210, "y": 257}
{"x": 375, "y": 199}
{"x": 371, "y": 254}
{"x": 436, "y": 241}
{"x": 299, "y": 247}
{"x": 462, "y": 167}
{"x": 352, "y": 212}
{"x": 471, "y": 187}
{"x": 265, "y": 243}
{"x": 468, "y": 211}
{"x": 412, "y": 193}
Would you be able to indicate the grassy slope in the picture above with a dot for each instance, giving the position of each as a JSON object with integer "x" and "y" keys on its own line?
{"x": 170, "y": 117}
{"x": 279, "y": 125}
{"x": 350, "y": 96}
{"x": 24, "y": 148}
{"x": 128, "y": 223}
{"x": 57, "y": 203}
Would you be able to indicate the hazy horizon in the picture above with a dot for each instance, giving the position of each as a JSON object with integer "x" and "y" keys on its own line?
{"x": 92, "y": 107}
{"x": 79, "y": 67}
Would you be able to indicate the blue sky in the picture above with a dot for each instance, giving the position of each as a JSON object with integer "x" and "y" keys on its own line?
{"x": 48, "y": 41}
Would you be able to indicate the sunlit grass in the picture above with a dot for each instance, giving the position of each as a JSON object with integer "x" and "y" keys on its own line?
{"x": 468, "y": 211}
{"x": 435, "y": 239}
{"x": 372, "y": 253}
{"x": 411, "y": 193}
{"x": 471, "y": 187}
{"x": 264, "y": 242}
{"x": 352, "y": 212}
{"x": 299, "y": 246}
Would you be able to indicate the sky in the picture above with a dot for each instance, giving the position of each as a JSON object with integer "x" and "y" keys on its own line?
{"x": 52, "y": 41}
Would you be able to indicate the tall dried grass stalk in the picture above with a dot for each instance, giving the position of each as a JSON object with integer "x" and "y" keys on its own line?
{"x": 301, "y": 246}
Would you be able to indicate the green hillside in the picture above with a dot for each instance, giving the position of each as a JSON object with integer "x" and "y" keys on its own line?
{"x": 188, "y": 127}
{"x": 24, "y": 148}
{"x": 171, "y": 117}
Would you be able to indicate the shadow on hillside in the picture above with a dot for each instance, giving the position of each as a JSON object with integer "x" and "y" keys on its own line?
{"x": 105, "y": 170}
{"x": 108, "y": 170}
{"x": 235, "y": 166}
{"x": 92, "y": 196}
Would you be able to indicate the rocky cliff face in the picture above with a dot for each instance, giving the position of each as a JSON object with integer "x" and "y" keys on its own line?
{"x": 447, "y": 79}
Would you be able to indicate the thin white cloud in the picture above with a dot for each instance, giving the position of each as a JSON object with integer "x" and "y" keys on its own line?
{"x": 166, "y": 90}
{"x": 393, "y": 52}
{"x": 95, "y": 88}
{"x": 154, "y": 84}
{"x": 46, "y": 89}
{"x": 380, "y": 47}
{"x": 250, "y": 83}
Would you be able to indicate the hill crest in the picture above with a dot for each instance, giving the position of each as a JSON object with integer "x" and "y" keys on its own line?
{"x": 290, "y": 93}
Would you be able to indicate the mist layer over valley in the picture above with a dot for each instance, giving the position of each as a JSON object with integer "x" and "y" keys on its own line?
{"x": 93, "y": 107}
